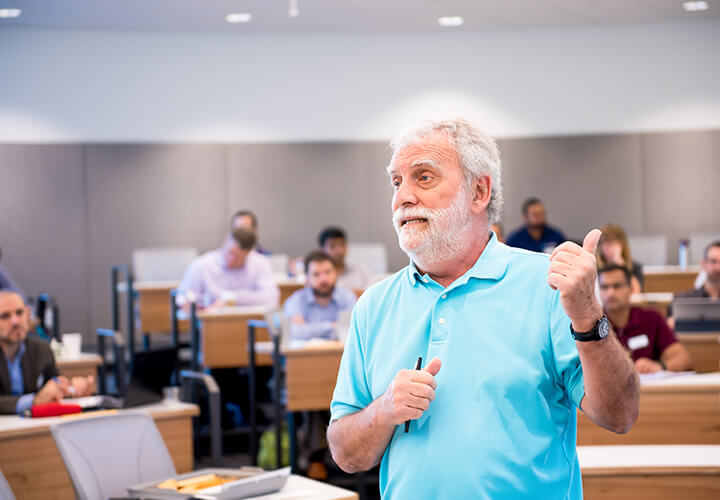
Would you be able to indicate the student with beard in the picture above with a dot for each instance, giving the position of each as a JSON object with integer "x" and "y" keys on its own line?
{"x": 536, "y": 235}
{"x": 314, "y": 309}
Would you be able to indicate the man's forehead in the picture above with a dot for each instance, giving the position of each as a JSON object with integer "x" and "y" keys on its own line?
{"x": 614, "y": 275}
{"x": 10, "y": 301}
{"x": 430, "y": 150}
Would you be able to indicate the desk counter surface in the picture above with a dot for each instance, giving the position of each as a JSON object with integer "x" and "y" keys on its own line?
{"x": 35, "y": 470}
{"x": 13, "y": 425}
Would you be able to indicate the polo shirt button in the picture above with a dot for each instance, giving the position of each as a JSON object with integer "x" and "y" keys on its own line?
{"x": 425, "y": 280}
{"x": 444, "y": 296}
{"x": 441, "y": 321}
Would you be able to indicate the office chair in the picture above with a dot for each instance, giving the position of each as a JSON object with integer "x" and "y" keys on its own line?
{"x": 5, "y": 491}
{"x": 107, "y": 454}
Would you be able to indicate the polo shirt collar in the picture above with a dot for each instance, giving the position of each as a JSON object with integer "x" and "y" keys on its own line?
{"x": 491, "y": 264}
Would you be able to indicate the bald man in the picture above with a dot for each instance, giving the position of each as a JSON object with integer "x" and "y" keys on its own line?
{"x": 28, "y": 374}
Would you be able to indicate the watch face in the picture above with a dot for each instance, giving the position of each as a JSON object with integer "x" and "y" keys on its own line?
{"x": 603, "y": 327}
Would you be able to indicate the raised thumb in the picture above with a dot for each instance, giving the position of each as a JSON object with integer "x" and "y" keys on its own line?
{"x": 590, "y": 242}
{"x": 433, "y": 367}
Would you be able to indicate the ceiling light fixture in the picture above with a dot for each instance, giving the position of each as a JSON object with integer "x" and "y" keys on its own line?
{"x": 450, "y": 21}
{"x": 695, "y": 6}
{"x": 10, "y": 13}
{"x": 293, "y": 10}
{"x": 238, "y": 17}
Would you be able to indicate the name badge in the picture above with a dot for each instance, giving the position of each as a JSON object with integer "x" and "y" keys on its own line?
{"x": 638, "y": 342}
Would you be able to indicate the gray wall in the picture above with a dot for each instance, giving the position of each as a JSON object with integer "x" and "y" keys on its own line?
{"x": 69, "y": 212}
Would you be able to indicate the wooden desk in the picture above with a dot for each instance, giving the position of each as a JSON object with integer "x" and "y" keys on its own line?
{"x": 32, "y": 464}
{"x": 650, "y": 472}
{"x": 83, "y": 366}
{"x": 704, "y": 349}
{"x": 679, "y": 410}
{"x": 224, "y": 337}
{"x": 152, "y": 306}
{"x": 288, "y": 287}
{"x": 669, "y": 278}
{"x": 656, "y": 301}
{"x": 310, "y": 373}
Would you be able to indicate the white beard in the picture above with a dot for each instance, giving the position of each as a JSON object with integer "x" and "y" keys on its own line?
{"x": 441, "y": 238}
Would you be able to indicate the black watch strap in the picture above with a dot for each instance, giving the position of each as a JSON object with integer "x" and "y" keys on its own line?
{"x": 599, "y": 332}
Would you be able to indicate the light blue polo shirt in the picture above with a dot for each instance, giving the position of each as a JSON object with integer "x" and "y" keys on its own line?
{"x": 503, "y": 422}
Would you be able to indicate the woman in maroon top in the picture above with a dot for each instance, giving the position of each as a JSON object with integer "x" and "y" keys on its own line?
{"x": 643, "y": 332}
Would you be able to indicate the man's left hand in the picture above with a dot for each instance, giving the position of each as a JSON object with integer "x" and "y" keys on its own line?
{"x": 573, "y": 272}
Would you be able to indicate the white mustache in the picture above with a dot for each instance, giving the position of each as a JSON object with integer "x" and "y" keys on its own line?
{"x": 413, "y": 213}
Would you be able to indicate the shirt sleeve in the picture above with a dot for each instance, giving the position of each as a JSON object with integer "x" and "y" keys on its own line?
{"x": 352, "y": 392}
{"x": 665, "y": 336}
{"x": 264, "y": 291}
{"x": 192, "y": 282}
{"x": 24, "y": 403}
{"x": 568, "y": 369}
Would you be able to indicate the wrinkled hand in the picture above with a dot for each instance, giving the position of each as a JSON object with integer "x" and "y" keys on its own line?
{"x": 51, "y": 391}
{"x": 409, "y": 394}
{"x": 573, "y": 272}
{"x": 647, "y": 365}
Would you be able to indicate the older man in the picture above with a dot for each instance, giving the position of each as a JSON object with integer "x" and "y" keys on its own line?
{"x": 498, "y": 420}
{"x": 28, "y": 374}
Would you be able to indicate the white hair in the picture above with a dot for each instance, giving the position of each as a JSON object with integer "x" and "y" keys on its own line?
{"x": 477, "y": 152}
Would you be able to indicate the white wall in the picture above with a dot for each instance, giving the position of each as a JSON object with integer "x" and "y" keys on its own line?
{"x": 68, "y": 86}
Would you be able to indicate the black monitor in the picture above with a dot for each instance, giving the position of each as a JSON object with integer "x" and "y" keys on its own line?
{"x": 152, "y": 370}
{"x": 696, "y": 314}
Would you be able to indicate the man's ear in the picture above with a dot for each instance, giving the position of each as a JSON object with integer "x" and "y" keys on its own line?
{"x": 481, "y": 192}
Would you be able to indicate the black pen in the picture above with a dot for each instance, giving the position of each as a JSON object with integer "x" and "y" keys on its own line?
{"x": 417, "y": 367}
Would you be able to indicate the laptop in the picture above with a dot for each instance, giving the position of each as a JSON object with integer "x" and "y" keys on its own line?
{"x": 151, "y": 372}
{"x": 696, "y": 314}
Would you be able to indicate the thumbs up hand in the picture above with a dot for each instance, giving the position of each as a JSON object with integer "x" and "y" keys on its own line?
{"x": 573, "y": 271}
{"x": 409, "y": 394}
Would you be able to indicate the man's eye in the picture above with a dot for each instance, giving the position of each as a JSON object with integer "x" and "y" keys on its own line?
{"x": 425, "y": 178}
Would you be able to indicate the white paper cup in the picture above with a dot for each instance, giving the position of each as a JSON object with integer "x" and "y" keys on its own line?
{"x": 72, "y": 344}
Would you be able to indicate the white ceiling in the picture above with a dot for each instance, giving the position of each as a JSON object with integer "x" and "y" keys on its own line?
{"x": 270, "y": 16}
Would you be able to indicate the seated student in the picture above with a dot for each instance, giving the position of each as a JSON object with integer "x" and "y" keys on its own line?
{"x": 248, "y": 220}
{"x": 333, "y": 242}
{"x": 536, "y": 234}
{"x": 710, "y": 287}
{"x": 652, "y": 344}
{"x": 234, "y": 274}
{"x": 28, "y": 374}
{"x": 615, "y": 249}
{"x": 711, "y": 267}
{"x": 314, "y": 309}
{"x": 7, "y": 282}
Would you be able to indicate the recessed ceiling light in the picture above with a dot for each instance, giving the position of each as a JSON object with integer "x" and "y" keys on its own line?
{"x": 695, "y": 6}
{"x": 450, "y": 21}
{"x": 238, "y": 17}
{"x": 10, "y": 13}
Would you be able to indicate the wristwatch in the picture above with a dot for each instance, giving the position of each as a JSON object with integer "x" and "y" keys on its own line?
{"x": 599, "y": 332}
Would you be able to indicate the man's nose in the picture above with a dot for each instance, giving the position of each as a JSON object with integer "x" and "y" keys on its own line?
{"x": 404, "y": 195}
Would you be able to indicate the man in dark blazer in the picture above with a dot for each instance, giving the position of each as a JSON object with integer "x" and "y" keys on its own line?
{"x": 28, "y": 374}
